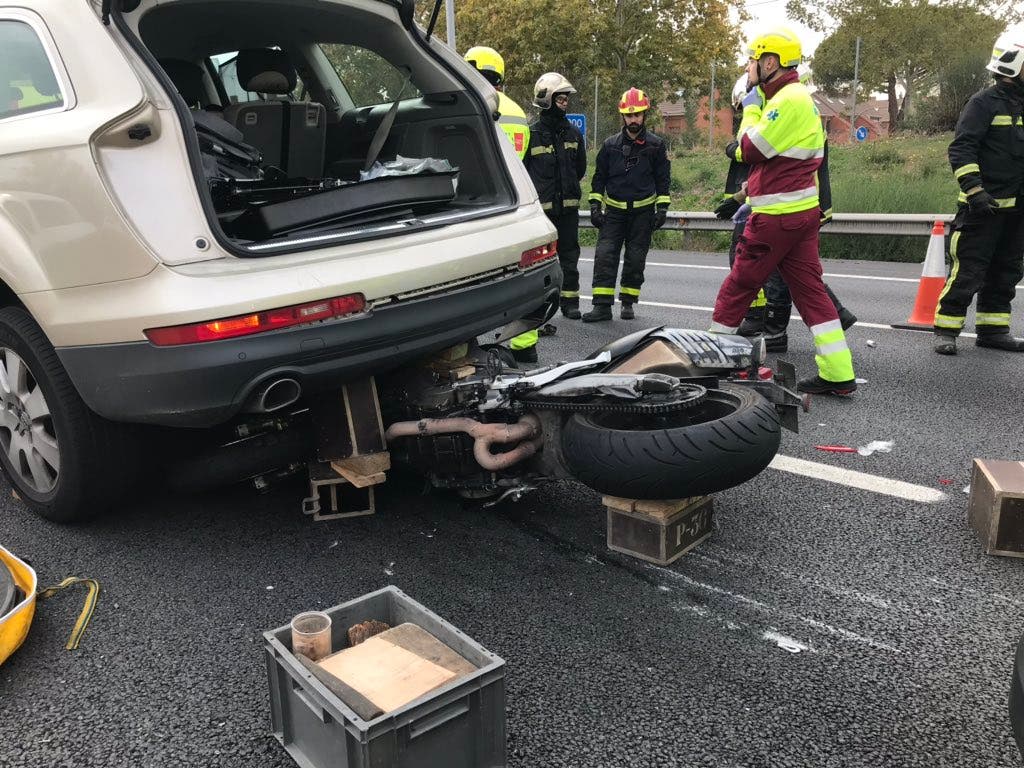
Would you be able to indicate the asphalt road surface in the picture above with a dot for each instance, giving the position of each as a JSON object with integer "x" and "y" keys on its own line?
{"x": 822, "y": 624}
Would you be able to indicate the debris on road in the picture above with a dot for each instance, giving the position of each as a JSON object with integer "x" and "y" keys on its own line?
{"x": 861, "y": 381}
{"x": 785, "y": 643}
{"x": 876, "y": 446}
{"x": 870, "y": 342}
{"x": 836, "y": 448}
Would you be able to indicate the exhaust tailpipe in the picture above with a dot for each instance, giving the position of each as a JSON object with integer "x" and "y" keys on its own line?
{"x": 273, "y": 396}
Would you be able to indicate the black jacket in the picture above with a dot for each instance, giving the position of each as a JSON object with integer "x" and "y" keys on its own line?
{"x": 556, "y": 160}
{"x": 988, "y": 148}
{"x": 632, "y": 171}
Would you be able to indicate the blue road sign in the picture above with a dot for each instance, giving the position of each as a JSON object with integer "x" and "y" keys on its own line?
{"x": 580, "y": 121}
{"x": 862, "y": 133}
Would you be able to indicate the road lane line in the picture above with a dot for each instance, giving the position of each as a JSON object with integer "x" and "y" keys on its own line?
{"x": 794, "y": 318}
{"x": 853, "y": 479}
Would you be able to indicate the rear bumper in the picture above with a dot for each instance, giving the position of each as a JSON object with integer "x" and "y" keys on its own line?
{"x": 200, "y": 385}
{"x": 1017, "y": 697}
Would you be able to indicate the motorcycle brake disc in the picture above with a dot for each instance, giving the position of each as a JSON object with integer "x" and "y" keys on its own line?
{"x": 687, "y": 396}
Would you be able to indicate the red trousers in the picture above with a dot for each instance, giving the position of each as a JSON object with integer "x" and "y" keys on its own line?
{"x": 788, "y": 242}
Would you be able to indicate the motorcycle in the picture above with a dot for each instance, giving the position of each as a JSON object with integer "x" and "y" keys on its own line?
{"x": 663, "y": 413}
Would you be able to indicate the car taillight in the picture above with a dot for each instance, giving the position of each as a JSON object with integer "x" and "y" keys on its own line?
{"x": 258, "y": 322}
{"x": 538, "y": 254}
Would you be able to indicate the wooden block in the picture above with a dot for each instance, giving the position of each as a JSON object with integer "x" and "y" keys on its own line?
{"x": 396, "y": 666}
{"x": 364, "y": 470}
{"x": 995, "y": 510}
{"x": 659, "y": 532}
{"x": 364, "y": 630}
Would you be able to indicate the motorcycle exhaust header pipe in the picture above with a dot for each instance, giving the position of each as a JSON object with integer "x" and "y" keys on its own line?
{"x": 526, "y": 432}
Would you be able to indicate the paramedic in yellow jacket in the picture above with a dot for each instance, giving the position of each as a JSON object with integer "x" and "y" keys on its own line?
{"x": 513, "y": 122}
{"x": 781, "y": 138}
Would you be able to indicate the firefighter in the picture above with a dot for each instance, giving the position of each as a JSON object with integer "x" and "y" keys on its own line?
{"x": 781, "y": 138}
{"x": 489, "y": 63}
{"x": 556, "y": 160}
{"x": 987, "y": 245}
{"x": 770, "y": 311}
{"x": 630, "y": 183}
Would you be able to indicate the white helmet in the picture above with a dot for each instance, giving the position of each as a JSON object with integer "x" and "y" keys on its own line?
{"x": 547, "y": 86}
{"x": 1008, "y": 54}
{"x": 739, "y": 91}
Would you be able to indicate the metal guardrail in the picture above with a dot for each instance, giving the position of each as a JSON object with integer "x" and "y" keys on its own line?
{"x": 914, "y": 224}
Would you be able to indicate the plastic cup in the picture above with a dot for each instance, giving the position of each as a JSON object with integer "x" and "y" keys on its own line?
{"x": 311, "y": 635}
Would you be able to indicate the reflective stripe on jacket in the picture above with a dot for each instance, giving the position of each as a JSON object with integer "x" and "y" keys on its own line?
{"x": 513, "y": 122}
{"x": 556, "y": 160}
{"x": 632, "y": 173}
{"x": 988, "y": 148}
{"x": 784, "y": 144}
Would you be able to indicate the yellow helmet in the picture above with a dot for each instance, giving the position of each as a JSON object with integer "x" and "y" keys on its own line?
{"x": 781, "y": 41}
{"x": 488, "y": 62}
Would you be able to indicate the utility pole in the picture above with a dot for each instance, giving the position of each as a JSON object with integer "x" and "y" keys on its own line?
{"x": 711, "y": 108}
{"x": 449, "y": 16}
{"x": 595, "y": 110}
{"x": 853, "y": 100}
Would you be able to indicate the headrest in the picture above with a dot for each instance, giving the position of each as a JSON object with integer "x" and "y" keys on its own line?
{"x": 187, "y": 78}
{"x": 265, "y": 70}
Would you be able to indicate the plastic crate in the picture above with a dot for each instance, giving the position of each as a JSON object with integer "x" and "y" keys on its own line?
{"x": 459, "y": 725}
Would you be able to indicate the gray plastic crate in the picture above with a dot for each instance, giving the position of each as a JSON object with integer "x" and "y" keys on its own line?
{"x": 460, "y": 725}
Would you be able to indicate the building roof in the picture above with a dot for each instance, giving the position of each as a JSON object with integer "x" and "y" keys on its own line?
{"x": 876, "y": 110}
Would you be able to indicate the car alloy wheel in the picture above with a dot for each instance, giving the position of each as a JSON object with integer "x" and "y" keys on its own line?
{"x": 26, "y": 426}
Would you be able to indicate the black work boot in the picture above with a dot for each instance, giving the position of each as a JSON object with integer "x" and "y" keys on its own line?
{"x": 1003, "y": 341}
{"x": 753, "y": 322}
{"x": 776, "y": 325}
{"x": 571, "y": 310}
{"x": 626, "y": 312}
{"x": 527, "y": 355}
{"x": 599, "y": 313}
{"x": 846, "y": 318}
{"x": 815, "y": 385}
{"x": 945, "y": 345}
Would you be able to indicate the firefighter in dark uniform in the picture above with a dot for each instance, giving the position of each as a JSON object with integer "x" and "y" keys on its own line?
{"x": 987, "y": 244}
{"x": 628, "y": 200}
{"x": 556, "y": 160}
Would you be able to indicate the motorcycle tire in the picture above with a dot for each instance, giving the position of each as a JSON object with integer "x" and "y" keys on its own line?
{"x": 731, "y": 437}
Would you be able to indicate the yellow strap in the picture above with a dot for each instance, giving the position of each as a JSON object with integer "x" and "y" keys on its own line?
{"x": 963, "y": 170}
{"x": 622, "y": 205}
{"x": 541, "y": 150}
{"x": 87, "y": 609}
{"x": 1002, "y": 120}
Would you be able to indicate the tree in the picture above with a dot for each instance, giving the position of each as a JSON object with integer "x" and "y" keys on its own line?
{"x": 662, "y": 46}
{"x": 907, "y": 48}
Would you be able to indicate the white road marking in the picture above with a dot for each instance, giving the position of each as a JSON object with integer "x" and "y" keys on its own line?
{"x": 793, "y": 319}
{"x": 854, "y": 479}
{"x": 843, "y": 275}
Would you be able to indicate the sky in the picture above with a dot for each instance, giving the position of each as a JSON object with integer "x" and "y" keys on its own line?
{"x": 772, "y": 12}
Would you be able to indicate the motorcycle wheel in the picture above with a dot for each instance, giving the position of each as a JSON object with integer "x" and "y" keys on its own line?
{"x": 725, "y": 441}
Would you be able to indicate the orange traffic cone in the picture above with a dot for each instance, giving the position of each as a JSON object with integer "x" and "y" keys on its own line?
{"x": 933, "y": 280}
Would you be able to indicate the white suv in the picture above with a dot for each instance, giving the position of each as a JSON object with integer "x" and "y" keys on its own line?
{"x": 188, "y": 220}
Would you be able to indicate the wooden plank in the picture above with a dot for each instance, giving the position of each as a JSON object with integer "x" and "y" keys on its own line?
{"x": 358, "y": 703}
{"x": 387, "y": 674}
{"x": 365, "y": 470}
{"x": 416, "y": 639}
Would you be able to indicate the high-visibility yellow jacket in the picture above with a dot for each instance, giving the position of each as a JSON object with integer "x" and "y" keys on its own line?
{"x": 513, "y": 122}
{"x": 783, "y": 142}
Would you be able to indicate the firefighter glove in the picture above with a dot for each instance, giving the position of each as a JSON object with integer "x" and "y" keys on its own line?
{"x": 730, "y": 150}
{"x": 824, "y": 217}
{"x": 659, "y": 217}
{"x": 727, "y": 208}
{"x": 982, "y": 202}
{"x": 596, "y": 216}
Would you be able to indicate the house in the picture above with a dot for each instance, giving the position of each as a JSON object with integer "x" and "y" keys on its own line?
{"x": 872, "y": 115}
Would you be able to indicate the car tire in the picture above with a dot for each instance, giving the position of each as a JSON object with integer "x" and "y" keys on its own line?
{"x": 65, "y": 462}
{"x": 725, "y": 440}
